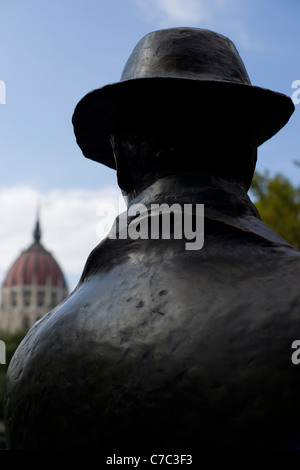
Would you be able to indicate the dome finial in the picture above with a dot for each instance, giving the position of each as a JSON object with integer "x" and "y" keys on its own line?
{"x": 37, "y": 230}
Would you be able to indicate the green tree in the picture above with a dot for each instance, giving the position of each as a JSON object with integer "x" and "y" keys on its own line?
{"x": 278, "y": 203}
{"x": 12, "y": 341}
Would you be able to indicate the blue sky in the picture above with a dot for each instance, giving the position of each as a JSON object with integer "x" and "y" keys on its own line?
{"x": 53, "y": 53}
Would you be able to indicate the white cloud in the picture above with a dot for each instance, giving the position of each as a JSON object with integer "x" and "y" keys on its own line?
{"x": 225, "y": 16}
{"x": 184, "y": 12}
{"x": 71, "y": 223}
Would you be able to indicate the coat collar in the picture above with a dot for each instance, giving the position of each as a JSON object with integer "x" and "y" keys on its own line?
{"x": 224, "y": 201}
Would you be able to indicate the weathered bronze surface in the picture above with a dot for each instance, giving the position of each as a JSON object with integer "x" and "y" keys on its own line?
{"x": 160, "y": 348}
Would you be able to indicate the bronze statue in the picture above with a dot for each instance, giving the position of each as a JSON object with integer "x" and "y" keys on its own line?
{"x": 161, "y": 348}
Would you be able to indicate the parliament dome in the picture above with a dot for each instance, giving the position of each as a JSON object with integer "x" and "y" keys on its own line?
{"x": 35, "y": 265}
{"x": 34, "y": 285}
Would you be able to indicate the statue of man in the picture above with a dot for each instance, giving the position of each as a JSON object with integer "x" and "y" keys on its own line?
{"x": 160, "y": 347}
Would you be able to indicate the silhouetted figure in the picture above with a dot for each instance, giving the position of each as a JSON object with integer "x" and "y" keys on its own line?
{"x": 163, "y": 348}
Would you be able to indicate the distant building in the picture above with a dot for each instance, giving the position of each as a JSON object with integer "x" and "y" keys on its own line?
{"x": 34, "y": 285}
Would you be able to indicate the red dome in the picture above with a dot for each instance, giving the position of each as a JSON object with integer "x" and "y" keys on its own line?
{"x": 35, "y": 266}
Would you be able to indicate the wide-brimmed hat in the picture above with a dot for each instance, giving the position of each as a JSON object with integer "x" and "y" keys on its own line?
{"x": 178, "y": 74}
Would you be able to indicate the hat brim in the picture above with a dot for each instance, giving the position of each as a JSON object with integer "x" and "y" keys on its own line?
{"x": 155, "y": 100}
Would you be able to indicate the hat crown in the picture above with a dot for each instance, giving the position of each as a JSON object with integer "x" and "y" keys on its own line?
{"x": 186, "y": 53}
{"x": 197, "y": 67}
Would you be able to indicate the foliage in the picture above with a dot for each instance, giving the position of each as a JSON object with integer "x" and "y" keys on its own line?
{"x": 11, "y": 340}
{"x": 278, "y": 203}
